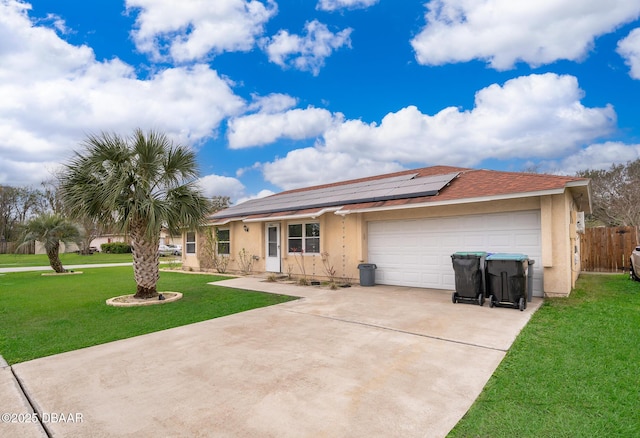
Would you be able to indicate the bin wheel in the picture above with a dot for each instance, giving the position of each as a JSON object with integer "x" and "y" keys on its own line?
{"x": 491, "y": 303}
{"x": 521, "y": 304}
{"x": 481, "y": 299}
{"x": 454, "y": 297}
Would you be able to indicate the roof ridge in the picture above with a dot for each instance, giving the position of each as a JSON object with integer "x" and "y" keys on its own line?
{"x": 532, "y": 174}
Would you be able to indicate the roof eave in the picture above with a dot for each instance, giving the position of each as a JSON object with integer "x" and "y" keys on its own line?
{"x": 581, "y": 190}
{"x": 455, "y": 201}
{"x": 312, "y": 215}
{"x": 223, "y": 221}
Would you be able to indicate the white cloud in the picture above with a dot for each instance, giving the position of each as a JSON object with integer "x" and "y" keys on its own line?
{"x": 332, "y": 5}
{"x": 313, "y": 166}
{"x": 273, "y": 103}
{"x": 191, "y": 30}
{"x": 629, "y": 49}
{"x": 308, "y": 52}
{"x": 504, "y": 32}
{"x": 260, "y": 194}
{"x": 54, "y": 94}
{"x": 296, "y": 124}
{"x": 57, "y": 22}
{"x": 537, "y": 116}
{"x": 217, "y": 185}
{"x": 595, "y": 157}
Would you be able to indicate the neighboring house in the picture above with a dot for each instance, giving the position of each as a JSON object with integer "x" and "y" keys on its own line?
{"x": 165, "y": 239}
{"x": 408, "y": 223}
{"x": 107, "y": 238}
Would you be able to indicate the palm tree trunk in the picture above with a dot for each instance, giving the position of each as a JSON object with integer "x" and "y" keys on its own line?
{"x": 54, "y": 259}
{"x": 145, "y": 262}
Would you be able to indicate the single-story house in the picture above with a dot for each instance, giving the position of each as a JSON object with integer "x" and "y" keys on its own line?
{"x": 408, "y": 224}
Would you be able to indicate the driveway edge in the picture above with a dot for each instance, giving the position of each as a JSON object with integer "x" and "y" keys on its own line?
{"x": 19, "y": 418}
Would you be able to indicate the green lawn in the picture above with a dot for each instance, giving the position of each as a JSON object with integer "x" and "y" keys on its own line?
{"x": 41, "y": 316}
{"x": 574, "y": 371}
{"x": 19, "y": 260}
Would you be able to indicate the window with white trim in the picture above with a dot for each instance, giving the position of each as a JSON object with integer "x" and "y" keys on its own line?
{"x": 191, "y": 242}
{"x": 223, "y": 237}
{"x": 304, "y": 238}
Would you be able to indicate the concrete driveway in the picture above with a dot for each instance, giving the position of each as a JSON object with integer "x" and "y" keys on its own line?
{"x": 356, "y": 362}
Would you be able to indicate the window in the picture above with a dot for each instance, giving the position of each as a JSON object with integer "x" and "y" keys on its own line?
{"x": 224, "y": 244}
{"x": 304, "y": 238}
{"x": 191, "y": 242}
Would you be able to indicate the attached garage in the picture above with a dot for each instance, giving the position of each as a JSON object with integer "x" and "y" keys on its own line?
{"x": 417, "y": 252}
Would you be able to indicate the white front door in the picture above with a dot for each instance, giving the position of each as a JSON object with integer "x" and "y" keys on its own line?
{"x": 273, "y": 248}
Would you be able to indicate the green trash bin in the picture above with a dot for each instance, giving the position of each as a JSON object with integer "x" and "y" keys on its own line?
{"x": 470, "y": 278}
{"x": 367, "y": 274}
{"x": 508, "y": 283}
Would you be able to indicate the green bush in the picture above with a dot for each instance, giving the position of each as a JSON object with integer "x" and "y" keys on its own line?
{"x": 116, "y": 248}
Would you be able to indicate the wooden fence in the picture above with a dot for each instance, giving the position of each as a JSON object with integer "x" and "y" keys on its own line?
{"x": 607, "y": 249}
{"x": 10, "y": 248}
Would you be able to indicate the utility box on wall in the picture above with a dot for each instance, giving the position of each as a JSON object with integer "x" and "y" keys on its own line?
{"x": 580, "y": 222}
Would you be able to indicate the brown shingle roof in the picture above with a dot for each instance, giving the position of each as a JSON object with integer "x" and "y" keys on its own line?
{"x": 480, "y": 183}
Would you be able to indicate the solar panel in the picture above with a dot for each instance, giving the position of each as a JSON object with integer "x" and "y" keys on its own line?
{"x": 384, "y": 189}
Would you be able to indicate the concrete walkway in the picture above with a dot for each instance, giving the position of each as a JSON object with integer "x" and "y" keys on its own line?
{"x": 357, "y": 362}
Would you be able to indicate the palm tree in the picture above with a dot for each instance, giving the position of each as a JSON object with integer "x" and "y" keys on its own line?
{"x": 50, "y": 230}
{"x": 138, "y": 184}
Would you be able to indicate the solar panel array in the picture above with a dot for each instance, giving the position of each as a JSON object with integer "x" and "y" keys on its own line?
{"x": 384, "y": 189}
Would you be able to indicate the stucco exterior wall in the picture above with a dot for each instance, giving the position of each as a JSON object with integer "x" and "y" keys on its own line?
{"x": 343, "y": 239}
{"x": 560, "y": 244}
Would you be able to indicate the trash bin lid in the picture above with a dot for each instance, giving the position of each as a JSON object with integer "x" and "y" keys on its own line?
{"x": 367, "y": 266}
{"x": 468, "y": 253}
{"x": 508, "y": 256}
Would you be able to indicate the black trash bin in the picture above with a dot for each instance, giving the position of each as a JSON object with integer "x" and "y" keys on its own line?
{"x": 367, "y": 274}
{"x": 469, "y": 269}
{"x": 508, "y": 283}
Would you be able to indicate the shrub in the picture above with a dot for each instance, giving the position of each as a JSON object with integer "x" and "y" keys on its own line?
{"x": 116, "y": 248}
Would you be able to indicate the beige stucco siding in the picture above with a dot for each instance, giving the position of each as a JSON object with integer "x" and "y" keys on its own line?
{"x": 559, "y": 244}
{"x": 339, "y": 241}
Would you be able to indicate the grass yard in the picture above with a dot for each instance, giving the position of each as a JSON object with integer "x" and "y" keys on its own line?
{"x": 19, "y": 260}
{"x": 574, "y": 371}
{"x": 41, "y": 316}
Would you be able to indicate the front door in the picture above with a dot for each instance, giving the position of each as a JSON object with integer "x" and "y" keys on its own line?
{"x": 273, "y": 248}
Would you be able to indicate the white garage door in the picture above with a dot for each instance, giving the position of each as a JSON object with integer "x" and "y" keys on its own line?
{"x": 418, "y": 252}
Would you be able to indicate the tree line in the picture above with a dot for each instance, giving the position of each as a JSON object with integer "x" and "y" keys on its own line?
{"x": 615, "y": 195}
{"x": 19, "y": 204}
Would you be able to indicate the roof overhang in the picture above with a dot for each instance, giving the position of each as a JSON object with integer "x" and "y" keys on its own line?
{"x": 581, "y": 191}
{"x": 224, "y": 221}
{"x": 277, "y": 217}
{"x": 290, "y": 217}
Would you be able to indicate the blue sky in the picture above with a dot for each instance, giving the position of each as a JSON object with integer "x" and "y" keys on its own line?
{"x": 276, "y": 95}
